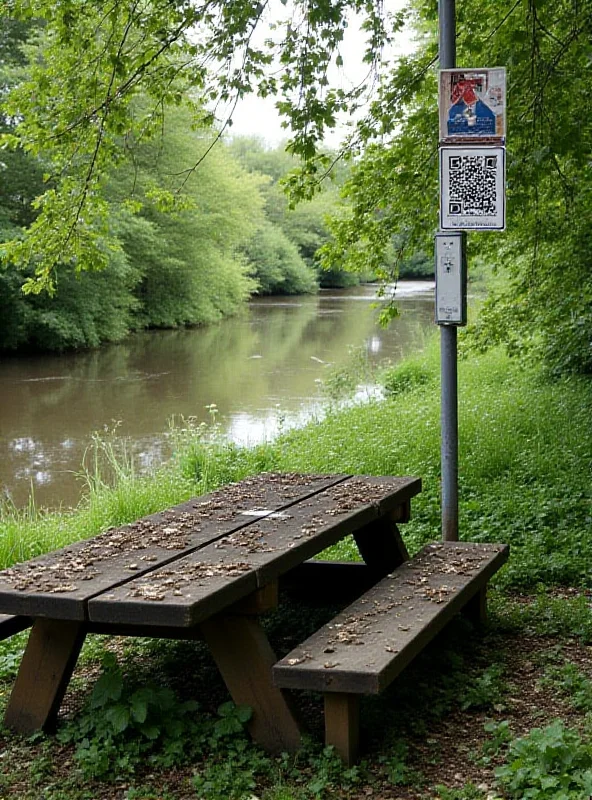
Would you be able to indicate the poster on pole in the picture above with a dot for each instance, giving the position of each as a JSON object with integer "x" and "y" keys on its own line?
{"x": 472, "y": 104}
{"x": 472, "y": 188}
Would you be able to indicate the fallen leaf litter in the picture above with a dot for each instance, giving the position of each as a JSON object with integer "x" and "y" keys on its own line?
{"x": 170, "y": 530}
{"x": 416, "y": 586}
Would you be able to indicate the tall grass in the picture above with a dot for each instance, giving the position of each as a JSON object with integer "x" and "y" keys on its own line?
{"x": 525, "y": 467}
{"x": 113, "y": 494}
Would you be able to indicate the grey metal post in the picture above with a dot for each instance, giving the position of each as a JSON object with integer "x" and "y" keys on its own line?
{"x": 449, "y": 432}
{"x": 448, "y": 350}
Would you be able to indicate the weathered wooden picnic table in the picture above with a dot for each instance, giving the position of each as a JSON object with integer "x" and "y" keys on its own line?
{"x": 208, "y": 568}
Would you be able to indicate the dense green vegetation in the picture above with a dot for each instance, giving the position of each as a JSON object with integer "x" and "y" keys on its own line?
{"x": 170, "y": 260}
{"x": 150, "y": 50}
{"x": 525, "y": 479}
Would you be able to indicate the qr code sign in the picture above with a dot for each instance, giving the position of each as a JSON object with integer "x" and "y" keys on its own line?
{"x": 472, "y": 188}
{"x": 473, "y": 185}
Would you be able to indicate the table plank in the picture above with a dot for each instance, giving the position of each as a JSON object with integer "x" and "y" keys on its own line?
{"x": 205, "y": 582}
{"x": 59, "y": 585}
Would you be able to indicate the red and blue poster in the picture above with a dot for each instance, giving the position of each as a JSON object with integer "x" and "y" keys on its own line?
{"x": 472, "y": 104}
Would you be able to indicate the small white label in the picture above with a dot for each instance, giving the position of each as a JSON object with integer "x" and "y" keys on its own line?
{"x": 266, "y": 512}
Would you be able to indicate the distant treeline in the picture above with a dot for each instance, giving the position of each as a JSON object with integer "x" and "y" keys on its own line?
{"x": 231, "y": 237}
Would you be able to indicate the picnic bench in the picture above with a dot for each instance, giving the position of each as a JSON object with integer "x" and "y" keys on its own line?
{"x": 208, "y": 568}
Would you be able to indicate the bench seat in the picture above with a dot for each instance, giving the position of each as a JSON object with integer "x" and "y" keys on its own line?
{"x": 369, "y": 643}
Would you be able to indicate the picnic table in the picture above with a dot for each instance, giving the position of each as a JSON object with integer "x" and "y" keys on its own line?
{"x": 208, "y": 568}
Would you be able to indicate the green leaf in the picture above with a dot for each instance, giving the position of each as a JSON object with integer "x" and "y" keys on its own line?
{"x": 107, "y": 688}
{"x": 139, "y": 707}
{"x": 150, "y": 731}
{"x": 118, "y": 717}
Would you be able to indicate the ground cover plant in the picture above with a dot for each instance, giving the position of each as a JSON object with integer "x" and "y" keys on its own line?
{"x": 504, "y": 715}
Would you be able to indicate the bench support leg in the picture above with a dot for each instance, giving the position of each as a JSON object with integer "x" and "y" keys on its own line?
{"x": 44, "y": 674}
{"x": 342, "y": 725}
{"x": 381, "y": 546}
{"x": 476, "y": 609}
{"x": 245, "y": 658}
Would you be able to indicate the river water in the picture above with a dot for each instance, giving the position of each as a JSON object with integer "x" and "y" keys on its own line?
{"x": 259, "y": 368}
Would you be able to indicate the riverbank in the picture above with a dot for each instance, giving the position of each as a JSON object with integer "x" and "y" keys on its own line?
{"x": 274, "y": 355}
{"x": 526, "y": 458}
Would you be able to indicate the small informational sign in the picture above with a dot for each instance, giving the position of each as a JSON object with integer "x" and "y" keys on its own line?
{"x": 472, "y": 104}
{"x": 472, "y": 188}
{"x": 451, "y": 279}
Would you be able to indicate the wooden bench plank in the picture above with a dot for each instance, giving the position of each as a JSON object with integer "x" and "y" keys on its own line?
{"x": 370, "y": 642}
{"x": 208, "y": 580}
{"x": 58, "y": 585}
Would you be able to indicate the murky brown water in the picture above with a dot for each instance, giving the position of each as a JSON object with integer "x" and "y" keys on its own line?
{"x": 271, "y": 358}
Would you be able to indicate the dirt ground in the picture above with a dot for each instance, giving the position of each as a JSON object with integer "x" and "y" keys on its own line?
{"x": 420, "y": 716}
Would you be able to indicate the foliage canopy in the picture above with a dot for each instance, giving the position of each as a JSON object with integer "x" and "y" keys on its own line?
{"x": 78, "y": 111}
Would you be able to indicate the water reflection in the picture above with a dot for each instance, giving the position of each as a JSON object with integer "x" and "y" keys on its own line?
{"x": 274, "y": 355}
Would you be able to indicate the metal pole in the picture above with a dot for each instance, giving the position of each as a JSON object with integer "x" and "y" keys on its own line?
{"x": 448, "y": 349}
{"x": 449, "y": 433}
{"x": 447, "y": 41}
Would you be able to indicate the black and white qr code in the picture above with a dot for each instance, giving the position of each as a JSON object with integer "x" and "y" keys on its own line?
{"x": 473, "y": 185}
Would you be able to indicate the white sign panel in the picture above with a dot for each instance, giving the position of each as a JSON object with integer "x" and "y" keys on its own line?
{"x": 472, "y": 104}
{"x": 472, "y": 188}
{"x": 451, "y": 279}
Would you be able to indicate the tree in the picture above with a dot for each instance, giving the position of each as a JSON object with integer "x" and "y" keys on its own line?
{"x": 163, "y": 269}
{"x": 305, "y": 224}
{"x": 544, "y": 307}
{"x": 188, "y": 257}
{"x": 78, "y": 110}
{"x": 276, "y": 263}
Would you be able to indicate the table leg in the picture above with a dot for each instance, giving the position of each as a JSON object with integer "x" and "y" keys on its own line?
{"x": 245, "y": 658}
{"x": 476, "y": 609}
{"x": 381, "y": 546}
{"x": 44, "y": 673}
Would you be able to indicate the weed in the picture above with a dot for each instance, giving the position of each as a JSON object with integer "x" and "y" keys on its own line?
{"x": 572, "y": 683}
{"x": 234, "y": 765}
{"x": 329, "y": 773}
{"x": 121, "y": 727}
{"x": 283, "y": 793}
{"x": 407, "y": 375}
{"x": 147, "y": 793}
{"x": 396, "y": 770}
{"x": 232, "y": 771}
{"x": 501, "y": 736}
{"x": 487, "y": 690}
{"x": 551, "y": 763}
{"x": 543, "y": 615}
{"x": 11, "y": 653}
{"x": 468, "y": 792}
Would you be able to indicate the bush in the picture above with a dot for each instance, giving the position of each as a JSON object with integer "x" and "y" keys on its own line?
{"x": 406, "y": 376}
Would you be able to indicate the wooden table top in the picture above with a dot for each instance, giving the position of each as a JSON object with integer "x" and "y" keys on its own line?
{"x": 180, "y": 566}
